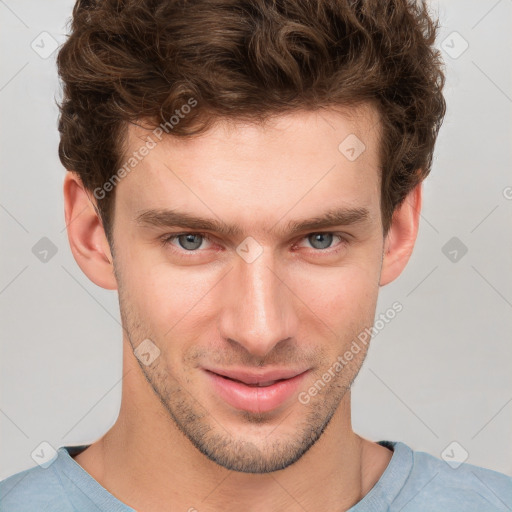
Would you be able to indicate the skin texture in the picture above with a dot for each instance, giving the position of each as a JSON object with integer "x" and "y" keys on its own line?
{"x": 176, "y": 444}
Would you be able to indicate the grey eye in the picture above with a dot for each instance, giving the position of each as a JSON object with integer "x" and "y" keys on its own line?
{"x": 324, "y": 240}
{"x": 190, "y": 241}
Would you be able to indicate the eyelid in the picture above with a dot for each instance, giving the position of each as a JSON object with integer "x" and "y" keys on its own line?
{"x": 344, "y": 240}
{"x": 342, "y": 236}
{"x": 166, "y": 239}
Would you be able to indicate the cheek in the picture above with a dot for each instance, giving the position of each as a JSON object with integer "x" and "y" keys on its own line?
{"x": 170, "y": 297}
{"x": 342, "y": 295}
{"x": 184, "y": 298}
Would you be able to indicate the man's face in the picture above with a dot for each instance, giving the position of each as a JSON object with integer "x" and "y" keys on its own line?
{"x": 260, "y": 298}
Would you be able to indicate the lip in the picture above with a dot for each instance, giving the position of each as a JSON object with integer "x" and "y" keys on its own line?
{"x": 256, "y": 377}
{"x": 242, "y": 396}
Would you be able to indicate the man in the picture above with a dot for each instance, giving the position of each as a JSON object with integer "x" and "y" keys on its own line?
{"x": 247, "y": 175}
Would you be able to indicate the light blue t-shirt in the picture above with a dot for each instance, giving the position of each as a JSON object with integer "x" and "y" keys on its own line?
{"x": 413, "y": 481}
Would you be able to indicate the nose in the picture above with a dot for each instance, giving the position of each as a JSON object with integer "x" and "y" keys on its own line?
{"x": 257, "y": 310}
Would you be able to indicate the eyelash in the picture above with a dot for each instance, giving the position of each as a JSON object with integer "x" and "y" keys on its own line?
{"x": 166, "y": 241}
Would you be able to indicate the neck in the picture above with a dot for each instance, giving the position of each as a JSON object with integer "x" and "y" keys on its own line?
{"x": 147, "y": 463}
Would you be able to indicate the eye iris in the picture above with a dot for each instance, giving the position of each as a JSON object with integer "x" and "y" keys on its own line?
{"x": 325, "y": 240}
{"x": 189, "y": 240}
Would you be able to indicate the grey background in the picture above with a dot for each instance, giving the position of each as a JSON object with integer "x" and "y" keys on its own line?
{"x": 438, "y": 373}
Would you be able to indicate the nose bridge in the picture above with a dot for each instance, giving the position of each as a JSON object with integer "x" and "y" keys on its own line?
{"x": 258, "y": 313}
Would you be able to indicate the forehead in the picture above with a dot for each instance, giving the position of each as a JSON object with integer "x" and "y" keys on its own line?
{"x": 295, "y": 128}
{"x": 291, "y": 163}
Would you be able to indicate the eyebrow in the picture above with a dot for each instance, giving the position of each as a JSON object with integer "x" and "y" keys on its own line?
{"x": 174, "y": 218}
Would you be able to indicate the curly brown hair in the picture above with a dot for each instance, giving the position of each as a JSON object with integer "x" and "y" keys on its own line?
{"x": 127, "y": 61}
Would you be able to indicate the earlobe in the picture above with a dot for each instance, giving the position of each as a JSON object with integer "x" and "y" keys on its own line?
{"x": 86, "y": 235}
{"x": 399, "y": 242}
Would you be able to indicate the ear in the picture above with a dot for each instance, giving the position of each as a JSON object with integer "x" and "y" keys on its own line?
{"x": 401, "y": 236}
{"x": 86, "y": 235}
